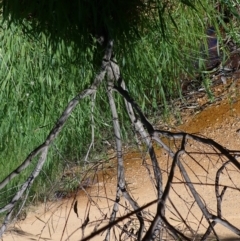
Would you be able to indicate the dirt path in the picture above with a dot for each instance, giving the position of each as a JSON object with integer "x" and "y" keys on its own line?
{"x": 57, "y": 220}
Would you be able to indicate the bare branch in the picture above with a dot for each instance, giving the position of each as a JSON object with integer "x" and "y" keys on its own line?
{"x": 113, "y": 73}
{"x": 43, "y": 149}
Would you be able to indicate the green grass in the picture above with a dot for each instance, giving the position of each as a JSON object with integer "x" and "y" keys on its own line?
{"x": 42, "y": 67}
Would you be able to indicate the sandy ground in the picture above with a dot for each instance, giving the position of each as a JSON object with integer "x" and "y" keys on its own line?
{"x": 219, "y": 121}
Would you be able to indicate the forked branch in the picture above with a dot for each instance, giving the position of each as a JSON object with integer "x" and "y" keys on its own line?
{"x": 43, "y": 148}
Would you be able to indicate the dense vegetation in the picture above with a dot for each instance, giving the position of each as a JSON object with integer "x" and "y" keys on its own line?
{"x": 48, "y": 53}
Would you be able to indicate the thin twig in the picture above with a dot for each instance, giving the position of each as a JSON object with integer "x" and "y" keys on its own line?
{"x": 93, "y": 98}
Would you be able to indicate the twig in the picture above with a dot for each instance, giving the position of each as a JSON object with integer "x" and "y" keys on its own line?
{"x": 23, "y": 188}
{"x": 112, "y": 224}
{"x": 130, "y": 104}
{"x": 93, "y": 98}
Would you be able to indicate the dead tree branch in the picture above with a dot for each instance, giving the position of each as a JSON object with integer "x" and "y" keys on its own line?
{"x": 113, "y": 73}
{"x": 43, "y": 148}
